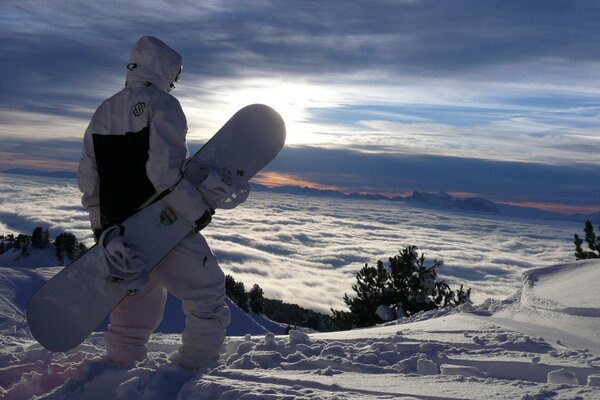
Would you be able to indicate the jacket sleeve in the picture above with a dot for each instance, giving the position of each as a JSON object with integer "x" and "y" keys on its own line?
{"x": 166, "y": 155}
{"x": 87, "y": 180}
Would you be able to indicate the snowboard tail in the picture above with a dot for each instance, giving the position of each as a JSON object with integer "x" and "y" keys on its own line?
{"x": 67, "y": 308}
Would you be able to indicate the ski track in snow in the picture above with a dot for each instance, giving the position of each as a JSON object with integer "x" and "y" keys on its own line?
{"x": 455, "y": 356}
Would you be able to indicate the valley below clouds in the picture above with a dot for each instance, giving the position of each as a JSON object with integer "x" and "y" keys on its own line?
{"x": 307, "y": 250}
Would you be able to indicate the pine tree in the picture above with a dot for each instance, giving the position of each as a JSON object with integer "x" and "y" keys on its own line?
{"x": 236, "y": 291}
{"x": 40, "y": 238}
{"x": 66, "y": 245}
{"x": 592, "y": 241}
{"x": 414, "y": 284}
{"x": 21, "y": 241}
{"x": 462, "y": 296}
{"x": 370, "y": 289}
{"x": 36, "y": 237}
{"x": 256, "y": 299}
{"x": 407, "y": 287}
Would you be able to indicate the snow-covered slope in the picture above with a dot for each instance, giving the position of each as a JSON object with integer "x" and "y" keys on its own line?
{"x": 539, "y": 344}
{"x": 565, "y": 297}
{"x": 17, "y": 285}
{"x": 35, "y": 259}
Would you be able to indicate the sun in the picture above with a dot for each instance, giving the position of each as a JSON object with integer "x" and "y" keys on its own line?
{"x": 294, "y": 100}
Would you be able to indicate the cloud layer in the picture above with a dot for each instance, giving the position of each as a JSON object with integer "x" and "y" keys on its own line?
{"x": 308, "y": 250}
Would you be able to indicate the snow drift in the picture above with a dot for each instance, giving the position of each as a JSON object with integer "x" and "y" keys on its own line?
{"x": 565, "y": 297}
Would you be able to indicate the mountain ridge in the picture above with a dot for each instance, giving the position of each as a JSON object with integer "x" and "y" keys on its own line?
{"x": 438, "y": 200}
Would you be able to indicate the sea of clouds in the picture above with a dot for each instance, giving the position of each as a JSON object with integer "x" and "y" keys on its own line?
{"x": 307, "y": 250}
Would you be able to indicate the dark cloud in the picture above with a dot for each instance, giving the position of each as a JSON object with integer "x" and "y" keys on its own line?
{"x": 53, "y": 155}
{"x": 495, "y": 180}
{"x": 74, "y": 46}
{"x": 354, "y": 171}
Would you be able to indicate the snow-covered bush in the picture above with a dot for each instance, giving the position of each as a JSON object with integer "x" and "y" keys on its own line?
{"x": 407, "y": 286}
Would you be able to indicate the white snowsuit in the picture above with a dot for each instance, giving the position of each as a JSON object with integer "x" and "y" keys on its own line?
{"x": 134, "y": 147}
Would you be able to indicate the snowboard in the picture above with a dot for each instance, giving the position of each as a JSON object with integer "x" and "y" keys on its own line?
{"x": 67, "y": 308}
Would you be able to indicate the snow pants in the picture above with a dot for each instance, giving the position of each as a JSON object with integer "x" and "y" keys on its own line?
{"x": 191, "y": 273}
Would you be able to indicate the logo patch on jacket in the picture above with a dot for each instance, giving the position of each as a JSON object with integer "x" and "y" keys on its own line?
{"x": 138, "y": 109}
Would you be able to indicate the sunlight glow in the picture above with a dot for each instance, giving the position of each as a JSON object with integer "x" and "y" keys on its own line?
{"x": 292, "y": 100}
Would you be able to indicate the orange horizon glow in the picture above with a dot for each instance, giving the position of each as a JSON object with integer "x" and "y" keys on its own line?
{"x": 275, "y": 179}
{"x": 463, "y": 195}
{"x": 12, "y": 160}
{"x": 556, "y": 207}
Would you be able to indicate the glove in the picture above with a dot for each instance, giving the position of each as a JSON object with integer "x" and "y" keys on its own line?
{"x": 97, "y": 234}
{"x": 121, "y": 255}
{"x": 204, "y": 220}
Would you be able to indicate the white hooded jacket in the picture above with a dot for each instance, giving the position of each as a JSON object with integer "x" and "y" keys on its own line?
{"x": 135, "y": 145}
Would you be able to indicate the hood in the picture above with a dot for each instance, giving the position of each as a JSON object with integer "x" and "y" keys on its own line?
{"x": 151, "y": 60}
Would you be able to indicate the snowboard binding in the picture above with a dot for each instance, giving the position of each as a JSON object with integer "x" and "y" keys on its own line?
{"x": 125, "y": 265}
{"x": 220, "y": 188}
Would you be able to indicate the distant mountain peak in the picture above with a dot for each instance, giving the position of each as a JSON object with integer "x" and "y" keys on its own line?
{"x": 439, "y": 200}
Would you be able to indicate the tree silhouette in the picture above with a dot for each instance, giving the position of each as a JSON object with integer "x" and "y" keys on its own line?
{"x": 405, "y": 288}
{"x": 236, "y": 291}
{"x": 256, "y": 299}
{"x": 592, "y": 241}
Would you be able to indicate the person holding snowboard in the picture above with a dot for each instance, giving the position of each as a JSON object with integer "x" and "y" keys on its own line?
{"x": 134, "y": 148}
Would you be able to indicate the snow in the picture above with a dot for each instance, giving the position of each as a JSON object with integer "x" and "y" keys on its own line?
{"x": 540, "y": 343}
{"x": 594, "y": 380}
{"x": 37, "y": 258}
{"x": 563, "y": 296}
{"x": 562, "y": 376}
{"x": 385, "y": 313}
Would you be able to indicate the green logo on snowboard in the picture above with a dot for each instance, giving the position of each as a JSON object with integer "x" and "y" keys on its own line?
{"x": 167, "y": 216}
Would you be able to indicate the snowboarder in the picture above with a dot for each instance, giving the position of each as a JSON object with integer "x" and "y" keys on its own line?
{"x": 134, "y": 147}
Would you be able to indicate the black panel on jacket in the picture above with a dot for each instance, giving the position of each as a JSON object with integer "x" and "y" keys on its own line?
{"x": 124, "y": 184}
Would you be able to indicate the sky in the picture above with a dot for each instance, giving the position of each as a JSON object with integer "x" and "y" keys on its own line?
{"x": 497, "y": 99}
